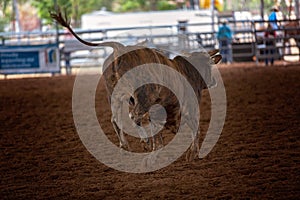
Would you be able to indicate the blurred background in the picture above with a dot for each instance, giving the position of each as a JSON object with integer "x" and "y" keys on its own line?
{"x": 33, "y": 15}
{"x": 180, "y": 26}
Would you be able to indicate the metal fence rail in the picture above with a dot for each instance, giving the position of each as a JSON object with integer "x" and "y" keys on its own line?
{"x": 287, "y": 39}
{"x": 248, "y": 40}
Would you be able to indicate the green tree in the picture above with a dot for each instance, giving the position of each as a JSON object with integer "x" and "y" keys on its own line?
{"x": 127, "y": 6}
{"x": 3, "y": 14}
{"x": 7, "y": 13}
{"x": 142, "y": 5}
{"x": 74, "y": 8}
{"x": 3, "y": 5}
{"x": 166, "y": 5}
{"x": 6, "y": 4}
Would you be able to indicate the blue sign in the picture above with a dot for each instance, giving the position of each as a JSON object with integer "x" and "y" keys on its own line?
{"x": 19, "y": 60}
{"x": 29, "y": 59}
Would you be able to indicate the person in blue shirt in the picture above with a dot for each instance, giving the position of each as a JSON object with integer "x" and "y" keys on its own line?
{"x": 224, "y": 37}
{"x": 273, "y": 17}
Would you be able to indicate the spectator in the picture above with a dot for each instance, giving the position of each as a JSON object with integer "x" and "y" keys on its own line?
{"x": 273, "y": 17}
{"x": 224, "y": 37}
{"x": 270, "y": 42}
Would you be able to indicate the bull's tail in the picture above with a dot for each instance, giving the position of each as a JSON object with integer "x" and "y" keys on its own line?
{"x": 65, "y": 22}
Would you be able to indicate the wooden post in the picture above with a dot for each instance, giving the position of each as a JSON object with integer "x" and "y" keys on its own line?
{"x": 17, "y": 27}
{"x": 297, "y": 12}
{"x": 262, "y": 7}
{"x": 213, "y": 16}
{"x": 57, "y": 35}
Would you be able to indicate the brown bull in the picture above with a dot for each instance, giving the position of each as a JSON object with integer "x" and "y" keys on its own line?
{"x": 195, "y": 68}
{"x": 151, "y": 94}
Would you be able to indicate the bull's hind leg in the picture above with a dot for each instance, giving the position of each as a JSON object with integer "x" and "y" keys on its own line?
{"x": 156, "y": 138}
{"x": 146, "y": 143}
{"x": 161, "y": 140}
{"x": 122, "y": 139}
{"x": 157, "y": 141}
{"x": 194, "y": 149}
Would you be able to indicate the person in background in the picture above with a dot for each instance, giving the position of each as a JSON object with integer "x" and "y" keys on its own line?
{"x": 270, "y": 35}
{"x": 224, "y": 37}
{"x": 273, "y": 17}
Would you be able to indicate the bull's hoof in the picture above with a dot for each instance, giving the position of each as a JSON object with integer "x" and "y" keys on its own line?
{"x": 146, "y": 145}
{"x": 192, "y": 153}
{"x": 125, "y": 147}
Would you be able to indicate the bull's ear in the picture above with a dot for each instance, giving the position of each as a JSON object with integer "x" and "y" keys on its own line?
{"x": 131, "y": 101}
{"x": 216, "y": 59}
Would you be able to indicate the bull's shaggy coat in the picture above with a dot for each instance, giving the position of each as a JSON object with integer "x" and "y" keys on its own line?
{"x": 125, "y": 58}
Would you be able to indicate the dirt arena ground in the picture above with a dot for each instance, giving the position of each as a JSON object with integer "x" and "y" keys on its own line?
{"x": 256, "y": 157}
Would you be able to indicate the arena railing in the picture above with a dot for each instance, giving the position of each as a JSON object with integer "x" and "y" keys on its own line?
{"x": 177, "y": 38}
{"x": 287, "y": 40}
